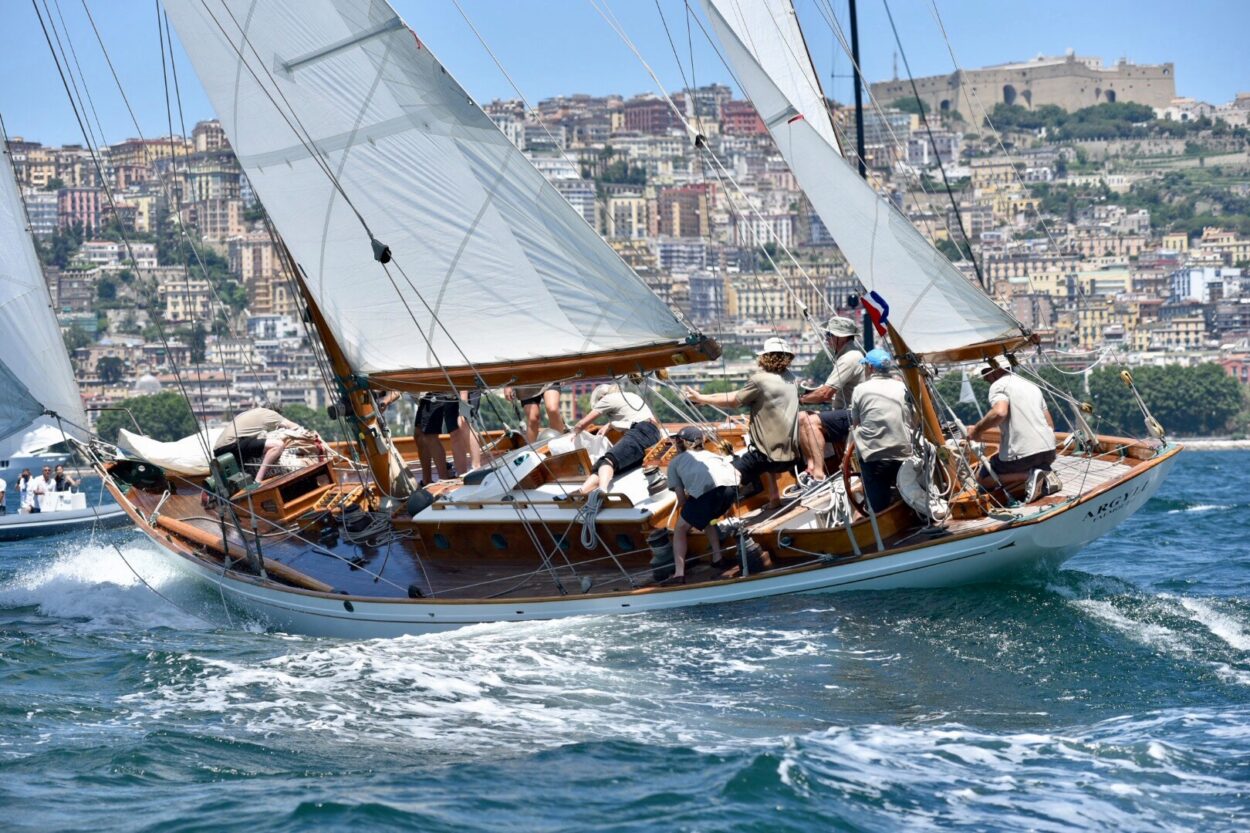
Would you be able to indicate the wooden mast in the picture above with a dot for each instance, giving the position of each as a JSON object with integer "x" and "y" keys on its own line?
{"x": 371, "y": 437}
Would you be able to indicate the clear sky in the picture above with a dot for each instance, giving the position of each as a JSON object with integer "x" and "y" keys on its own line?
{"x": 563, "y": 46}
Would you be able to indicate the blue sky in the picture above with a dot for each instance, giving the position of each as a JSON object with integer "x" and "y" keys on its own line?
{"x": 564, "y": 46}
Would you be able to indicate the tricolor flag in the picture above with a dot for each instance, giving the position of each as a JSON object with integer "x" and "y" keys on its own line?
{"x": 878, "y": 311}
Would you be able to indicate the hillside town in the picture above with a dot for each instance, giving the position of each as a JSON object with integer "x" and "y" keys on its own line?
{"x": 1106, "y": 213}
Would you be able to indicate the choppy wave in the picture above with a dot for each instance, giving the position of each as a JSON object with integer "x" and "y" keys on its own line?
{"x": 98, "y": 584}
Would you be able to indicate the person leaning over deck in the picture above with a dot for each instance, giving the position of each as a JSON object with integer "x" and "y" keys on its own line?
{"x": 818, "y": 427}
{"x": 883, "y": 420}
{"x": 773, "y": 398}
{"x": 1027, "y": 446}
{"x": 624, "y": 411}
{"x": 706, "y": 485}
{"x": 246, "y": 437}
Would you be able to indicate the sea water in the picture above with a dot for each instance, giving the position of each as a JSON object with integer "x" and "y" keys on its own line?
{"x": 1113, "y": 695}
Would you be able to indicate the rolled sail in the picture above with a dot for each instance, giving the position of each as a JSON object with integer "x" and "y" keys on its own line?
{"x": 331, "y": 101}
{"x": 35, "y": 373}
{"x": 934, "y": 307}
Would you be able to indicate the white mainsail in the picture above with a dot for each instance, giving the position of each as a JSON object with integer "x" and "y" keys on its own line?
{"x": 35, "y": 373}
{"x": 502, "y": 268}
{"x": 932, "y": 305}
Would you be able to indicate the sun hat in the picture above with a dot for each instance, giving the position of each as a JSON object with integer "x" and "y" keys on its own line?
{"x": 840, "y": 326}
{"x": 598, "y": 393}
{"x": 879, "y": 359}
{"x": 775, "y": 345}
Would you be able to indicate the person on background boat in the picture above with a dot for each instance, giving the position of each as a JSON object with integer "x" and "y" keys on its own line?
{"x": 439, "y": 413}
{"x": 882, "y": 419}
{"x": 64, "y": 481}
{"x": 40, "y": 485}
{"x": 4, "y": 494}
{"x": 246, "y": 436}
{"x": 625, "y": 411}
{"x": 534, "y": 400}
{"x": 1027, "y": 446}
{"x": 773, "y": 398}
{"x": 706, "y": 485}
{"x": 23, "y": 490}
{"x": 819, "y": 427}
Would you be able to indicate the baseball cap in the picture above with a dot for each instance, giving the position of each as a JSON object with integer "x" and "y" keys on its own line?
{"x": 690, "y": 434}
{"x": 878, "y": 358}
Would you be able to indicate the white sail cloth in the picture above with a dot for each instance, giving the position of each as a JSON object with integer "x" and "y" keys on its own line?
{"x": 189, "y": 456}
{"x": 503, "y": 269}
{"x": 932, "y": 305}
{"x": 35, "y": 373}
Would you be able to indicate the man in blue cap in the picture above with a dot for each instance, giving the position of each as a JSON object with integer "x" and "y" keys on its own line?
{"x": 883, "y": 419}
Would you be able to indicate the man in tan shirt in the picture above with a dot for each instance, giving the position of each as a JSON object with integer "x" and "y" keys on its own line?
{"x": 818, "y": 427}
{"x": 773, "y": 397}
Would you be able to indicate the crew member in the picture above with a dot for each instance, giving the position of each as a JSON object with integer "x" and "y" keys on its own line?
{"x": 818, "y": 427}
{"x": 882, "y": 419}
{"x": 706, "y": 485}
{"x": 534, "y": 399}
{"x": 1027, "y": 445}
{"x": 773, "y": 398}
{"x": 64, "y": 481}
{"x": 246, "y": 436}
{"x": 440, "y": 413}
{"x": 625, "y": 411}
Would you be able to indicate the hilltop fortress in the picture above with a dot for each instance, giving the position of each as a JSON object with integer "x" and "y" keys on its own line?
{"x": 1069, "y": 81}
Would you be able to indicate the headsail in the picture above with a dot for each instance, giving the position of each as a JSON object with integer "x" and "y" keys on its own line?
{"x": 35, "y": 373}
{"x": 503, "y": 271}
{"x": 934, "y": 307}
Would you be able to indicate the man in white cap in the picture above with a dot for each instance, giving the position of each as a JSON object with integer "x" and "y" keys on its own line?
{"x": 773, "y": 397}
{"x": 628, "y": 412}
{"x": 818, "y": 427}
{"x": 1027, "y": 446}
{"x": 706, "y": 485}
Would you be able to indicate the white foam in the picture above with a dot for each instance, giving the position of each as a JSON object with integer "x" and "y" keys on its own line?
{"x": 1221, "y": 624}
{"x": 92, "y": 583}
{"x": 1200, "y": 507}
{"x": 1150, "y": 634}
{"x": 1078, "y": 778}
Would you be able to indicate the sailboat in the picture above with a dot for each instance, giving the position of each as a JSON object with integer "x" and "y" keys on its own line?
{"x": 41, "y": 403}
{"x": 430, "y": 255}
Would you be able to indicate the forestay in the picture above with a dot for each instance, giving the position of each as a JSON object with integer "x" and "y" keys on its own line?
{"x": 932, "y": 305}
{"x": 503, "y": 269}
{"x": 35, "y": 373}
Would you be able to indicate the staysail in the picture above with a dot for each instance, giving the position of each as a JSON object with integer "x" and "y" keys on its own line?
{"x": 35, "y": 373}
{"x": 331, "y": 102}
{"x": 934, "y": 307}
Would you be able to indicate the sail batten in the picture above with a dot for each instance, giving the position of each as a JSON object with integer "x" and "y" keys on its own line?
{"x": 331, "y": 101}
{"x": 935, "y": 308}
{"x": 35, "y": 373}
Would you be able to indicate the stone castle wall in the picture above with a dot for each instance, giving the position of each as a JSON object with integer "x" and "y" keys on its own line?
{"x": 1070, "y": 84}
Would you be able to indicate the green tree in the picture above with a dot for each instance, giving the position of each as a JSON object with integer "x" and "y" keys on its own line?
{"x": 162, "y": 416}
{"x": 910, "y": 105}
{"x": 106, "y": 290}
{"x": 110, "y": 369}
{"x": 954, "y": 250}
{"x": 197, "y": 344}
{"x": 319, "y": 421}
{"x": 54, "y": 184}
{"x": 76, "y": 337}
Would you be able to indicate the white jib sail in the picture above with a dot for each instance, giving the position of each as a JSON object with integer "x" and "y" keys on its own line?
{"x": 507, "y": 267}
{"x": 933, "y": 306}
{"x": 35, "y": 373}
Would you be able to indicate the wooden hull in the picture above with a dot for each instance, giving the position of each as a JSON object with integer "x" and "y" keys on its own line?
{"x": 1028, "y": 537}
